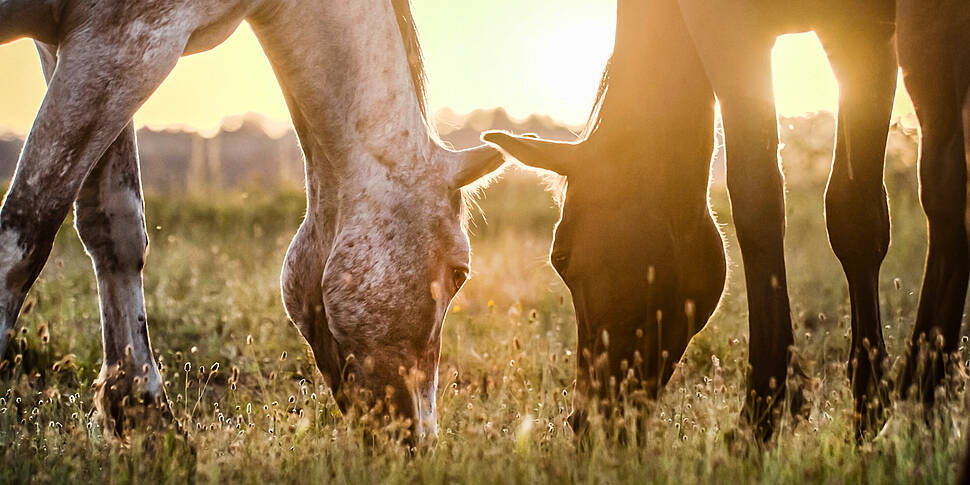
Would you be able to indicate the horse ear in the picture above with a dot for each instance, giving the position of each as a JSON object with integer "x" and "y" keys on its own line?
{"x": 475, "y": 163}
{"x": 560, "y": 157}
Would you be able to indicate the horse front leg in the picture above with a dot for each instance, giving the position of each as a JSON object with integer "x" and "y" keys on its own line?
{"x": 756, "y": 189}
{"x": 103, "y": 75}
{"x": 735, "y": 44}
{"x": 937, "y": 78}
{"x": 856, "y": 208}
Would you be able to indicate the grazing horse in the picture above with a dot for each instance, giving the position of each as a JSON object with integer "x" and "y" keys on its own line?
{"x": 636, "y": 243}
{"x": 381, "y": 251}
{"x": 933, "y": 41}
{"x": 733, "y": 41}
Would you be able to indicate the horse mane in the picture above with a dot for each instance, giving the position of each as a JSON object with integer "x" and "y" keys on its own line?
{"x": 412, "y": 47}
{"x": 592, "y": 122}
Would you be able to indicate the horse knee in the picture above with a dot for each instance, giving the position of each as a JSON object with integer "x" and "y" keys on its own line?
{"x": 943, "y": 176}
{"x": 758, "y": 207}
{"x": 112, "y": 229}
{"x": 857, "y": 219}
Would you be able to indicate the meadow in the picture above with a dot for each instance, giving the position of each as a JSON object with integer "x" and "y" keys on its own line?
{"x": 507, "y": 365}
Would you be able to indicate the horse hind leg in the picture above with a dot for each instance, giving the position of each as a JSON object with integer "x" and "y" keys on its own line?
{"x": 856, "y": 207}
{"x": 111, "y": 223}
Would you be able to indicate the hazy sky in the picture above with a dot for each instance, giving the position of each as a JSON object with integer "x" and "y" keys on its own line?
{"x": 540, "y": 56}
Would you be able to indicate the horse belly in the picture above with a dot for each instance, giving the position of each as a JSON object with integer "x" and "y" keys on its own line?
{"x": 210, "y": 36}
{"x": 218, "y": 20}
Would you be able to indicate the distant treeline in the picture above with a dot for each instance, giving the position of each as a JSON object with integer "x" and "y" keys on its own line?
{"x": 242, "y": 154}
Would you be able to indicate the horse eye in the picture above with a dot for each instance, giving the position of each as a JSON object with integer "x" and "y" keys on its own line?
{"x": 459, "y": 276}
{"x": 559, "y": 261}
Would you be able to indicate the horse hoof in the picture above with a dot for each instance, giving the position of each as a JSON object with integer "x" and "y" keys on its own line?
{"x": 124, "y": 405}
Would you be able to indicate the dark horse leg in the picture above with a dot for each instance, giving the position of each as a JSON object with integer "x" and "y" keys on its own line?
{"x": 937, "y": 74}
{"x": 863, "y": 57}
{"x": 735, "y": 46}
{"x": 933, "y": 51}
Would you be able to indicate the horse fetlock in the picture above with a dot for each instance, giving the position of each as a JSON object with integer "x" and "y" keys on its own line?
{"x": 928, "y": 372}
{"x": 872, "y": 400}
{"x": 769, "y": 395}
{"x": 128, "y": 396}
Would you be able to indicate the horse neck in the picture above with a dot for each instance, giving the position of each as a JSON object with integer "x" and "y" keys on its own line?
{"x": 655, "y": 72}
{"x": 346, "y": 77}
{"x": 657, "y": 102}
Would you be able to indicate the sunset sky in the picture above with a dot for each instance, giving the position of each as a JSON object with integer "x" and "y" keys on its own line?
{"x": 541, "y": 56}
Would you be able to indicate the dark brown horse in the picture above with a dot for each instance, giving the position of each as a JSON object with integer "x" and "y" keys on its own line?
{"x": 934, "y": 51}
{"x": 635, "y": 234}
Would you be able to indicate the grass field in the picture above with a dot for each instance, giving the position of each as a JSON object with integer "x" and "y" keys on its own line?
{"x": 506, "y": 370}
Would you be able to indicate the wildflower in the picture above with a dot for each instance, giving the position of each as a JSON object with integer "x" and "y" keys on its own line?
{"x": 44, "y": 333}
